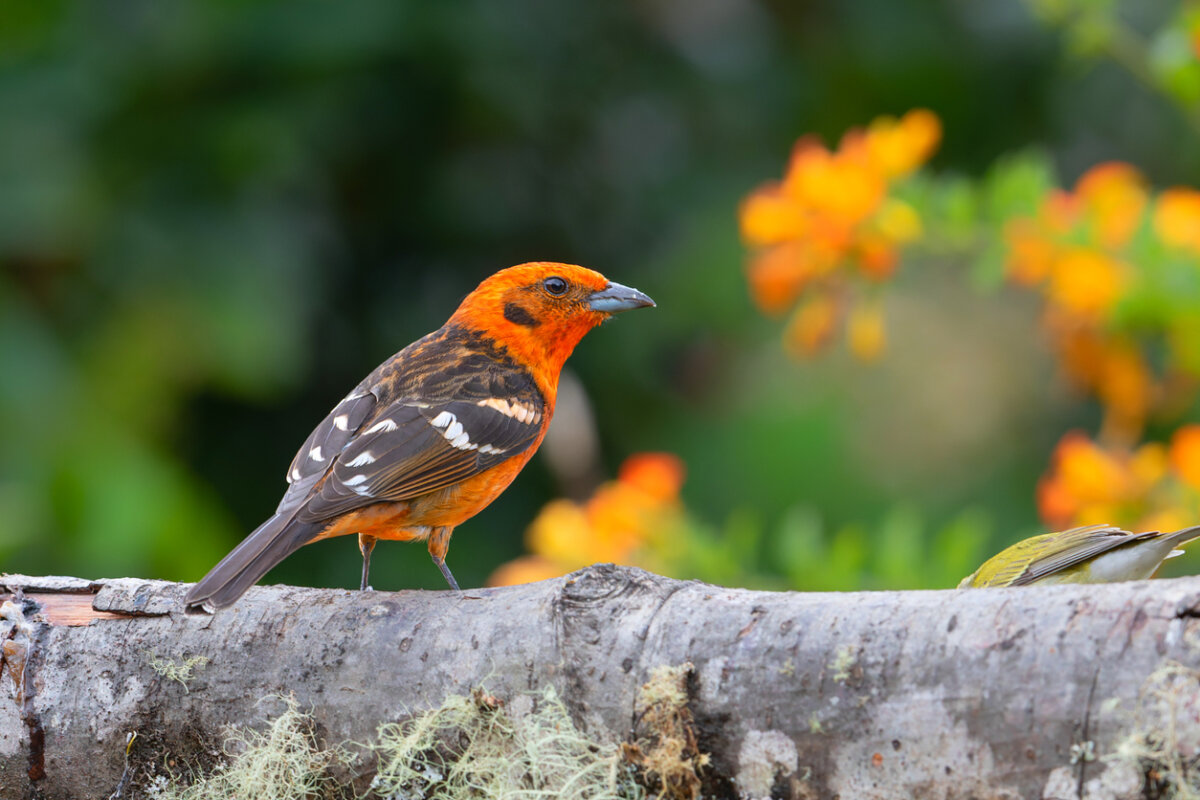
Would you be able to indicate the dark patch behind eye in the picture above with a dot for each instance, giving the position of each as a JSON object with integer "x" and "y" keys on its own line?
{"x": 519, "y": 316}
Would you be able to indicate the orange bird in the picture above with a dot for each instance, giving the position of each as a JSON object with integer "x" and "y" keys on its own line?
{"x": 437, "y": 431}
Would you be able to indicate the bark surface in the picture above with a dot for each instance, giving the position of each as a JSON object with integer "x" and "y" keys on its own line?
{"x": 1008, "y": 693}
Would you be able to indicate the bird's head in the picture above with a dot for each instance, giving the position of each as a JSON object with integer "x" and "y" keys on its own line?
{"x": 539, "y": 311}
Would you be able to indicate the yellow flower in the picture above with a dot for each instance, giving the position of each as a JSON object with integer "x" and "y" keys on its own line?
{"x": 1149, "y": 466}
{"x": 899, "y": 147}
{"x": 865, "y": 331}
{"x": 562, "y": 533}
{"x": 898, "y": 221}
{"x": 1177, "y": 218}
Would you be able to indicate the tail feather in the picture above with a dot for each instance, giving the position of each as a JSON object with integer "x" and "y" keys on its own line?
{"x": 246, "y": 564}
{"x": 1182, "y": 536}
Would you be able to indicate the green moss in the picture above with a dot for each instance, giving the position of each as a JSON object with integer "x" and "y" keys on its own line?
{"x": 843, "y": 662}
{"x": 474, "y": 746}
{"x": 284, "y": 761}
{"x": 181, "y": 672}
{"x": 477, "y": 746}
{"x": 1162, "y": 740}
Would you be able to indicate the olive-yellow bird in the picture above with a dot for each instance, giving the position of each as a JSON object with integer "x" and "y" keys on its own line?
{"x": 1092, "y": 554}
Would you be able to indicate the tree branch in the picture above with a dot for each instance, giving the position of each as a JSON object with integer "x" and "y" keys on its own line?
{"x": 947, "y": 694}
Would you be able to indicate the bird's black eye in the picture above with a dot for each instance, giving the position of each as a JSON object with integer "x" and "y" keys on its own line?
{"x": 555, "y": 285}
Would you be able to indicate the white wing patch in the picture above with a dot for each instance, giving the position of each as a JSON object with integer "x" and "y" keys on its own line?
{"x": 315, "y": 454}
{"x": 362, "y": 459}
{"x": 355, "y": 481}
{"x": 456, "y": 436}
{"x": 514, "y": 409}
{"x": 385, "y": 425}
{"x": 341, "y": 422}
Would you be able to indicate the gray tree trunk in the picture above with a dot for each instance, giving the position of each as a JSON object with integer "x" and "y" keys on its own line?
{"x": 1009, "y": 693}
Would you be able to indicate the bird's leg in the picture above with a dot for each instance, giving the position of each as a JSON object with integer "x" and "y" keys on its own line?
{"x": 366, "y": 543}
{"x": 439, "y": 545}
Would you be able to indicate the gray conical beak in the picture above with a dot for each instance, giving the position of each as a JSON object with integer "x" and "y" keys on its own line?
{"x": 615, "y": 297}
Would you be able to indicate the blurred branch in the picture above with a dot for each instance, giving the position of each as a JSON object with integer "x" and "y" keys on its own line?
{"x": 1128, "y": 48}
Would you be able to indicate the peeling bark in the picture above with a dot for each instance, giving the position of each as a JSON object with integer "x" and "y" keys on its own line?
{"x": 937, "y": 695}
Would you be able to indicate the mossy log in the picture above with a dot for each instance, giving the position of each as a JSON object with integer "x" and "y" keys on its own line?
{"x": 1062, "y": 691}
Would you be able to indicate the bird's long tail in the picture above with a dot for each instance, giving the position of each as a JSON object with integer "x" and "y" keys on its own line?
{"x": 270, "y": 543}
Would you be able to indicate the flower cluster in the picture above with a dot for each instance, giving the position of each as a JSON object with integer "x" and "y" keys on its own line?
{"x": 1149, "y": 487}
{"x": 1101, "y": 256}
{"x": 830, "y": 220}
{"x": 623, "y": 522}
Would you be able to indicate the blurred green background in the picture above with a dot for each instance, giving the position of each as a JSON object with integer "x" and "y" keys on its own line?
{"x": 215, "y": 218}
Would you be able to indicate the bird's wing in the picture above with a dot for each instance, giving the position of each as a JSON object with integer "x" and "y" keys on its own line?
{"x": 1076, "y": 546}
{"x": 415, "y": 444}
{"x": 325, "y": 443}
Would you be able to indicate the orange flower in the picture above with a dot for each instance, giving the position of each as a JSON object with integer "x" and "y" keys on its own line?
{"x": 1086, "y": 484}
{"x": 1132, "y": 488}
{"x": 526, "y": 569}
{"x": 1089, "y": 472}
{"x": 1185, "y": 454}
{"x": 1056, "y": 505}
{"x": 1114, "y": 195}
{"x": 615, "y": 524}
{"x": 877, "y": 257}
{"x": 658, "y": 475}
{"x": 830, "y": 221}
{"x": 812, "y": 325}
{"x": 1086, "y": 282}
{"x": 779, "y": 274}
{"x": 1177, "y": 218}
{"x": 769, "y": 216}
{"x": 1031, "y": 255}
{"x": 1059, "y": 212}
{"x": 1109, "y": 366}
{"x": 838, "y": 185}
{"x": 1126, "y": 388}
